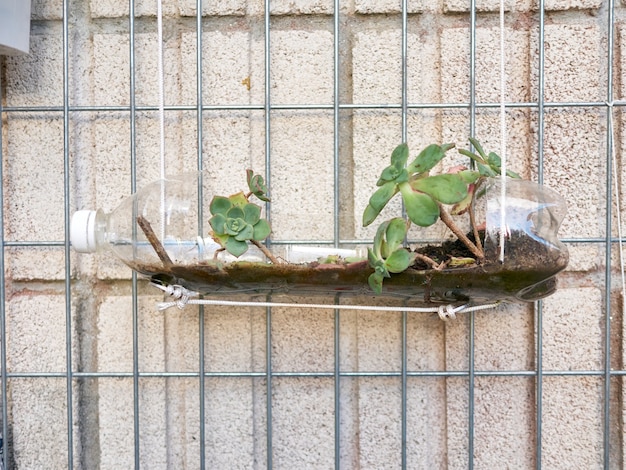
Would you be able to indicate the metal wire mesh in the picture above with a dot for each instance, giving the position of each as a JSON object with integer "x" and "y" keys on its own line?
{"x": 69, "y": 112}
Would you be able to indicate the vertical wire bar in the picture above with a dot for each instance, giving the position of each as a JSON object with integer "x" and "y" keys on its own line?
{"x": 135, "y": 320}
{"x": 539, "y": 304}
{"x": 472, "y": 124}
{"x": 199, "y": 131}
{"x": 268, "y": 375}
{"x": 404, "y": 389}
{"x": 3, "y": 337}
{"x": 337, "y": 378}
{"x": 404, "y": 105}
{"x": 268, "y": 173}
{"x": 404, "y": 85}
{"x": 472, "y": 70}
{"x": 133, "y": 188}
{"x": 471, "y": 381}
{"x": 539, "y": 382}
{"x": 336, "y": 231}
{"x": 66, "y": 201}
{"x": 336, "y": 91}
{"x": 267, "y": 104}
{"x": 609, "y": 229}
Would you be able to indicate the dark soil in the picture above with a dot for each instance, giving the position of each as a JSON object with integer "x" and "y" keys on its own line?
{"x": 442, "y": 253}
{"x": 526, "y": 274}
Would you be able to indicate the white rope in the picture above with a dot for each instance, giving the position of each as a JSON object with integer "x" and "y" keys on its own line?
{"x": 617, "y": 203}
{"x": 503, "y": 167}
{"x": 184, "y": 297}
{"x": 161, "y": 86}
{"x": 161, "y": 79}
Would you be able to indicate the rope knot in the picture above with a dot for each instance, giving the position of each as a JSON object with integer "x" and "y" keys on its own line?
{"x": 179, "y": 293}
{"x": 447, "y": 312}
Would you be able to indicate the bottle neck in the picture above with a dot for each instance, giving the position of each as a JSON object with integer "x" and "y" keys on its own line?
{"x": 88, "y": 231}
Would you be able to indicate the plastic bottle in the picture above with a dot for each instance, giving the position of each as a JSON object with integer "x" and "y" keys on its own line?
{"x": 163, "y": 233}
{"x": 156, "y": 225}
{"x": 156, "y": 232}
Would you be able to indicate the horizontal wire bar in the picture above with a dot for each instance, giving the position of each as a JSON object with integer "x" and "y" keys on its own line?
{"x": 309, "y": 106}
{"x": 321, "y": 374}
{"x": 58, "y": 243}
{"x": 34, "y": 243}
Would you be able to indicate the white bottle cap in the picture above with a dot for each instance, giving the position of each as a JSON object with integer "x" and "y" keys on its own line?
{"x": 83, "y": 231}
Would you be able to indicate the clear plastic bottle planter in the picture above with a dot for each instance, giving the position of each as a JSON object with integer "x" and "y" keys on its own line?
{"x": 155, "y": 232}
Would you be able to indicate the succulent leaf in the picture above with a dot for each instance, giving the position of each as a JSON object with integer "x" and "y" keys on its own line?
{"x": 400, "y": 155}
{"x": 462, "y": 206}
{"x": 478, "y": 147}
{"x": 469, "y": 176}
{"x": 448, "y": 188}
{"x": 238, "y": 199}
{"x": 382, "y": 195}
{"x": 220, "y": 205}
{"x": 399, "y": 261}
{"x": 512, "y": 174}
{"x": 379, "y": 239}
{"x": 251, "y": 213}
{"x": 395, "y": 233}
{"x": 391, "y": 174}
{"x": 217, "y": 223}
{"x": 235, "y": 247}
{"x": 455, "y": 261}
{"x": 262, "y": 230}
{"x": 378, "y": 201}
{"x": 235, "y": 212}
{"x": 429, "y": 157}
{"x": 396, "y": 171}
{"x": 371, "y": 257}
{"x": 234, "y": 226}
{"x": 369, "y": 215}
{"x": 246, "y": 232}
{"x": 421, "y": 209}
{"x": 256, "y": 183}
{"x": 375, "y": 282}
{"x": 494, "y": 161}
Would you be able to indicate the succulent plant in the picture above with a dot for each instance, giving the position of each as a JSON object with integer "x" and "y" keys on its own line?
{"x": 488, "y": 165}
{"x": 257, "y": 186}
{"x": 424, "y": 196}
{"x": 236, "y": 221}
{"x": 388, "y": 255}
{"x": 421, "y": 193}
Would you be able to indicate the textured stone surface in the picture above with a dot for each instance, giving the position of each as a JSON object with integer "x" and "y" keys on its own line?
{"x": 569, "y": 405}
{"x": 572, "y": 336}
{"x": 36, "y": 79}
{"x": 493, "y": 350}
{"x": 39, "y": 408}
{"x": 36, "y": 333}
{"x": 387, "y": 6}
{"x": 487, "y": 5}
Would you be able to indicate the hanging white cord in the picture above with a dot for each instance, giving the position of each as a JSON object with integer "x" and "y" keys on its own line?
{"x": 617, "y": 203}
{"x": 503, "y": 166}
{"x": 184, "y": 297}
{"x": 161, "y": 80}
{"x": 160, "y": 77}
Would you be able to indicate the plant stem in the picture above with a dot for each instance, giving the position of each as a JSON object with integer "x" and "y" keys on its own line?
{"x": 446, "y": 219}
{"x": 217, "y": 252}
{"x": 431, "y": 262}
{"x": 479, "y": 244}
{"x": 265, "y": 251}
{"x": 154, "y": 241}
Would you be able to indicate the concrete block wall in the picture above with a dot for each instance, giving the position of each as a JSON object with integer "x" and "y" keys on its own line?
{"x": 497, "y": 344}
